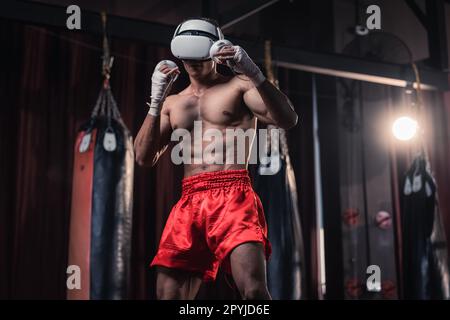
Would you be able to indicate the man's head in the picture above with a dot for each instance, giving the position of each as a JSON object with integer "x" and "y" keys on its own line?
{"x": 191, "y": 43}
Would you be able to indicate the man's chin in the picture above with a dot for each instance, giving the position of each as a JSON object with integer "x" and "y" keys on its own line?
{"x": 197, "y": 75}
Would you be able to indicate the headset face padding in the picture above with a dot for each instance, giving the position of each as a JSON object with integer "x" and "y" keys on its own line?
{"x": 193, "y": 39}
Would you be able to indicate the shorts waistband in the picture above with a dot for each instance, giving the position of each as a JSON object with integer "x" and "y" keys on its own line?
{"x": 215, "y": 179}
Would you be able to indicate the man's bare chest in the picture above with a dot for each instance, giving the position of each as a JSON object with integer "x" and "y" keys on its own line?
{"x": 220, "y": 106}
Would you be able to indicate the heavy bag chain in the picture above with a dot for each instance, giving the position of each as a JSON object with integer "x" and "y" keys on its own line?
{"x": 106, "y": 104}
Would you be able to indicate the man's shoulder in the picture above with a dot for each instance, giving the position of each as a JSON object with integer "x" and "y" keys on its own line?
{"x": 237, "y": 80}
{"x": 176, "y": 97}
{"x": 169, "y": 101}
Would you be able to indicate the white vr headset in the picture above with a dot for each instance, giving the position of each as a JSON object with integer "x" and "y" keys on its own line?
{"x": 194, "y": 38}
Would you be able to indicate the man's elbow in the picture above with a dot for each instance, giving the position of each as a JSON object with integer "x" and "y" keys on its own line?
{"x": 142, "y": 162}
{"x": 291, "y": 118}
{"x": 289, "y": 123}
{"x": 137, "y": 153}
{"x": 141, "y": 159}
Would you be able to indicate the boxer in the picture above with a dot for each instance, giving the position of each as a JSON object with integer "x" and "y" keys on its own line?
{"x": 219, "y": 220}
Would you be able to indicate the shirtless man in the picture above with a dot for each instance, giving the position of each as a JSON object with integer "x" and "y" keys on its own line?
{"x": 219, "y": 220}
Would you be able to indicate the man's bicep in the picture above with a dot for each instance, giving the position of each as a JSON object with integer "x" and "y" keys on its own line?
{"x": 165, "y": 128}
{"x": 255, "y": 103}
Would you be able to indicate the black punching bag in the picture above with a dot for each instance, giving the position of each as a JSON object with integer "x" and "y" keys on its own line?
{"x": 424, "y": 248}
{"x": 102, "y": 193}
{"x": 275, "y": 184}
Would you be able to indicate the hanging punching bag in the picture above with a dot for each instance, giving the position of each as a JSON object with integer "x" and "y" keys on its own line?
{"x": 424, "y": 248}
{"x": 101, "y": 215}
{"x": 275, "y": 184}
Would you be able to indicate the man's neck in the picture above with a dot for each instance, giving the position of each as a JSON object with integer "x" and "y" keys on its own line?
{"x": 200, "y": 85}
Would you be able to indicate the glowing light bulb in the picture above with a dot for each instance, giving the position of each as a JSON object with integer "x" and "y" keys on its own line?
{"x": 404, "y": 128}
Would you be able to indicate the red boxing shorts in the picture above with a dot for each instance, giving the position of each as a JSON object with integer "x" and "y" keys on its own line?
{"x": 217, "y": 212}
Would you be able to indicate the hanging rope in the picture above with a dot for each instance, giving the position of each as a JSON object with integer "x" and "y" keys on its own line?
{"x": 106, "y": 104}
{"x": 268, "y": 62}
{"x": 107, "y": 59}
{"x": 418, "y": 110}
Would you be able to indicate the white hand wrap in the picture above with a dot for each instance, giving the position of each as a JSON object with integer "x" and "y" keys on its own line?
{"x": 244, "y": 64}
{"x": 161, "y": 84}
{"x": 216, "y": 47}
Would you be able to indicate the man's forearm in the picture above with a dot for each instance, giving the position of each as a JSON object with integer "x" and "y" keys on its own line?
{"x": 278, "y": 105}
{"x": 146, "y": 144}
{"x": 148, "y": 140}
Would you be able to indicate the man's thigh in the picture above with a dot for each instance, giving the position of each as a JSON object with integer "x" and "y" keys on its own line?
{"x": 176, "y": 284}
{"x": 248, "y": 264}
